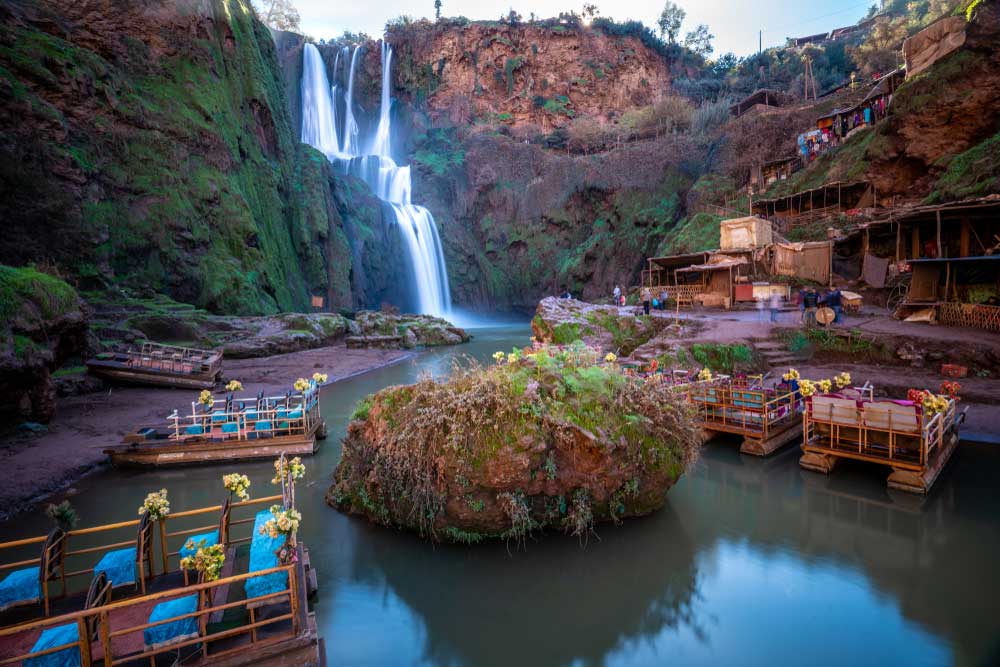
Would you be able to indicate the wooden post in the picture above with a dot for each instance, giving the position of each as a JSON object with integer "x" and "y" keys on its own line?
{"x": 864, "y": 252}
{"x": 898, "y": 230}
{"x": 293, "y": 591}
{"x": 947, "y": 279}
{"x": 940, "y": 250}
{"x": 163, "y": 548}
{"x": 84, "y": 638}
{"x": 964, "y": 240}
{"x": 915, "y": 242}
{"x": 106, "y": 639}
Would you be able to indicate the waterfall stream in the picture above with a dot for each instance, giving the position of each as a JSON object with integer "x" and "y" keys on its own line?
{"x": 390, "y": 182}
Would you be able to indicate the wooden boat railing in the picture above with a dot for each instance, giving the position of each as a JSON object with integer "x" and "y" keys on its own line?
{"x": 169, "y": 358}
{"x": 239, "y": 418}
{"x": 109, "y": 632}
{"x": 879, "y": 431}
{"x": 92, "y": 540}
{"x": 735, "y": 408}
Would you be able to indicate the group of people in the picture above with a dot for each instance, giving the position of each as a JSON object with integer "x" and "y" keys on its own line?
{"x": 810, "y": 301}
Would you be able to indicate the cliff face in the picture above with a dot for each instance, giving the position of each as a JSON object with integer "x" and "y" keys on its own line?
{"x": 519, "y": 222}
{"x": 149, "y": 143}
{"x": 524, "y": 74}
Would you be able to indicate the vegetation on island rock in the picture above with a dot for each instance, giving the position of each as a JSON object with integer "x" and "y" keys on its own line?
{"x": 545, "y": 439}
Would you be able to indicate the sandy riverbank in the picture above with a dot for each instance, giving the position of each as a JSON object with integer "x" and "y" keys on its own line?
{"x": 37, "y": 465}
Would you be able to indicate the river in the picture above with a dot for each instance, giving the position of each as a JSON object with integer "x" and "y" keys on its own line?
{"x": 752, "y": 561}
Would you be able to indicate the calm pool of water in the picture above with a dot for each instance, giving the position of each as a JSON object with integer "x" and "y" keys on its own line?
{"x": 752, "y": 561}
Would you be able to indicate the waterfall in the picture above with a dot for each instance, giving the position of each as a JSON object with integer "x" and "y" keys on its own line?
{"x": 390, "y": 182}
{"x": 351, "y": 125}
{"x": 382, "y": 145}
{"x": 318, "y": 119}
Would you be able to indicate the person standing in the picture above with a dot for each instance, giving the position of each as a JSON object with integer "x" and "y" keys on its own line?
{"x": 647, "y": 296}
{"x": 617, "y": 294}
{"x": 775, "y": 305}
{"x": 810, "y": 303}
{"x": 834, "y": 300}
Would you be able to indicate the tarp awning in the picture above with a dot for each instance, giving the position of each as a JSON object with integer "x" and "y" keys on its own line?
{"x": 720, "y": 264}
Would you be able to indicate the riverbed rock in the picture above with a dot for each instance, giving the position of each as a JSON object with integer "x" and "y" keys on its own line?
{"x": 42, "y": 323}
{"x": 608, "y": 328}
{"x": 416, "y": 330}
{"x": 549, "y": 440}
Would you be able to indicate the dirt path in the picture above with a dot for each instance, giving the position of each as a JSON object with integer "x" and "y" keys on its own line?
{"x": 85, "y": 424}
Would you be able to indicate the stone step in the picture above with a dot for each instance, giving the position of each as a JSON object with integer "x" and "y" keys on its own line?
{"x": 770, "y": 345}
{"x": 786, "y": 359}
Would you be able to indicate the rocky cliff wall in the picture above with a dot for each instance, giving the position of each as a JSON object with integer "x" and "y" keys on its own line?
{"x": 524, "y": 74}
{"x": 150, "y": 144}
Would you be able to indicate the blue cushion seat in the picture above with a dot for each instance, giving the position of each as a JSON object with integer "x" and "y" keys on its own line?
{"x": 52, "y": 637}
{"x": 295, "y": 414}
{"x": 218, "y": 419}
{"x": 230, "y": 427}
{"x": 118, "y": 565}
{"x": 20, "y": 586}
{"x": 175, "y": 631}
{"x": 209, "y": 539}
{"x": 263, "y": 557}
{"x": 194, "y": 429}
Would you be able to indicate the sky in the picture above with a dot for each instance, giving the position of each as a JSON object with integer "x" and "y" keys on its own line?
{"x": 733, "y": 22}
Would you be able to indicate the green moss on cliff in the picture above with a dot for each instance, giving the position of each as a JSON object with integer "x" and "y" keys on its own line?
{"x": 696, "y": 233}
{"x": 974, "y": 173}
{"x": 30, "y": 293}
{"x": 175, "y": 170}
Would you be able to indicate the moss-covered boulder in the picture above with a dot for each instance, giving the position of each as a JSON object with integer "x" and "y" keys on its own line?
{"x": 42, "y": 323}
{"x": 422, "y": 330}
{"x": 544, "y": 440}
{"x": 608, "y": 328}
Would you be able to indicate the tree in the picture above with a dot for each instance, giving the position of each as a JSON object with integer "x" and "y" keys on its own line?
{"x": 590, "y": 10}
{"x": 278, "y": 14}
{"x": 699, "y": 40}
{"x": 437, "y": 9}
{"x": 670, "y": 21}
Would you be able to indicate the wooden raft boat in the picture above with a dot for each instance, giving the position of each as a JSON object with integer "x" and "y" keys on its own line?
{"x": 915, "y": 444}
{"x": 160, "y": 365}
{"x": 230, "y": 430}
{"x": 767, "y": 418}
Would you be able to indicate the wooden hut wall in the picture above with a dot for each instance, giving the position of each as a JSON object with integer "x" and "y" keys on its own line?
{"x": 924, "y": 285}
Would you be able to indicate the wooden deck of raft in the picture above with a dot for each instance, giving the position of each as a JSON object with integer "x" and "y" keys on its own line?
{"x": 280, "y": 629}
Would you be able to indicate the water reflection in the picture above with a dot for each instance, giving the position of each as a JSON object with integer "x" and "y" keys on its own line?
{"x": 752, "y": 561}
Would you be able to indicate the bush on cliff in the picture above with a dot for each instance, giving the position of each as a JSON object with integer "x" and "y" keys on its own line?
{"x": 545, "y": 440}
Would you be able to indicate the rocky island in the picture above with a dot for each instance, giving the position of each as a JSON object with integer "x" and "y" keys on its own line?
{"x": 546, "y": 439}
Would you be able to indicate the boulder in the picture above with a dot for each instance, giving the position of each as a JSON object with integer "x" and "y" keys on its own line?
{"x": 550, "y": 439}
{"x": 42, "y": 323}
{"x": 609, "y": 328}
{"x": 416, "y": 330}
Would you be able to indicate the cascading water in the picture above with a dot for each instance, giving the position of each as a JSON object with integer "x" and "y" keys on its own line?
{"x": 390, "y": 182}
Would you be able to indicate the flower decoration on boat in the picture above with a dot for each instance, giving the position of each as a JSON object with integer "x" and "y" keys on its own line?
{"x": 293, "y": 469}
{"x": 282, "y": 522}
{"x": 933, "y": 403}
{"x": 705, "y": 375}
{"x": 499, "y": 356}
{"x": 208, "y": 560}
{"x": 301, "y": 385}
{"x": 320, "y": 378}
{"x": 206, "y": 399}
{"x": 842, "y": 380}
{"x": 792, "y": 374}
{"x": 155, "y": 505}
{"x": 610, "y": 357}
{"x": 824, "y": 386}
{"x": 237, "y": 484}
{"x": 950, "y": 388}
{"x": 234, "y": 385}
{"x": 915, "y": 395}
{"x": 807, "y": 387}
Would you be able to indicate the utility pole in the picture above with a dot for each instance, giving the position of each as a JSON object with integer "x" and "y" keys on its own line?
{"x": 760, "y": 42}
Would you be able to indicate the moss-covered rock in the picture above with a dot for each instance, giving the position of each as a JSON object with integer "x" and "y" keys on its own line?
{"x": 542, "y": 440}
{"x": 423, "y": 330}
{"x": 42, "y": 323}
{"x": 155, "y": 149}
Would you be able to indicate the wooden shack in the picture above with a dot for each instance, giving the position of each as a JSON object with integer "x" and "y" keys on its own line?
{"x": 962, "y": 291}
{"x": 717, "y": 279}
{"x": 759, "y": 100}
{"x": 744, "y": 233}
